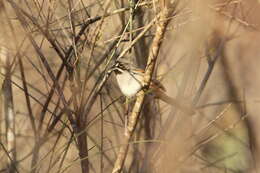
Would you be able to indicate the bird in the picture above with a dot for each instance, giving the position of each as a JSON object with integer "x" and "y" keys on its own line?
{"x": 131, "y": 80}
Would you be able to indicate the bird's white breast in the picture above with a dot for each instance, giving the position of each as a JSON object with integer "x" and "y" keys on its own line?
{"x": 129, "y": 84}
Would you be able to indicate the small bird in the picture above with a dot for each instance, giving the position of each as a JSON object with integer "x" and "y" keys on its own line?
{"x": 131, "y": 80}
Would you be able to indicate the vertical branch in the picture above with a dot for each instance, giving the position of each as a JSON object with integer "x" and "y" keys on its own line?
{"x": 8, "y": 108}
{"x": 7, "y": 98}
{"x": 154, "y": 51}
{"x": 101, "y": 135}
{"x": 80, "y": 131}
{"x": 131, "y": 20}
{"x": 82, "y": 146}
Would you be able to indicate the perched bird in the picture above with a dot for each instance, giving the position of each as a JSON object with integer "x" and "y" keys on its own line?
{"x": 131, "y": 80}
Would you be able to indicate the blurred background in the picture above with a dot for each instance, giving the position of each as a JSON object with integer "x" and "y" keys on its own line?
{"x": 60, "y": 112}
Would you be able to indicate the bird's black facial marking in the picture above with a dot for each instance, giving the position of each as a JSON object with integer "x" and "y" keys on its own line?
{"x": 119, "y": 67}
{"x": 117, "y": 71}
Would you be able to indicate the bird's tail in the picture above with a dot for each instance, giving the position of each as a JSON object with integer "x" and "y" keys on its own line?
{"x": 172, "y": 101}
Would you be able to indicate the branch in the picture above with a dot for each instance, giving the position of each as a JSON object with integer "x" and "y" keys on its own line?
{"x": 154, "y": 51}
